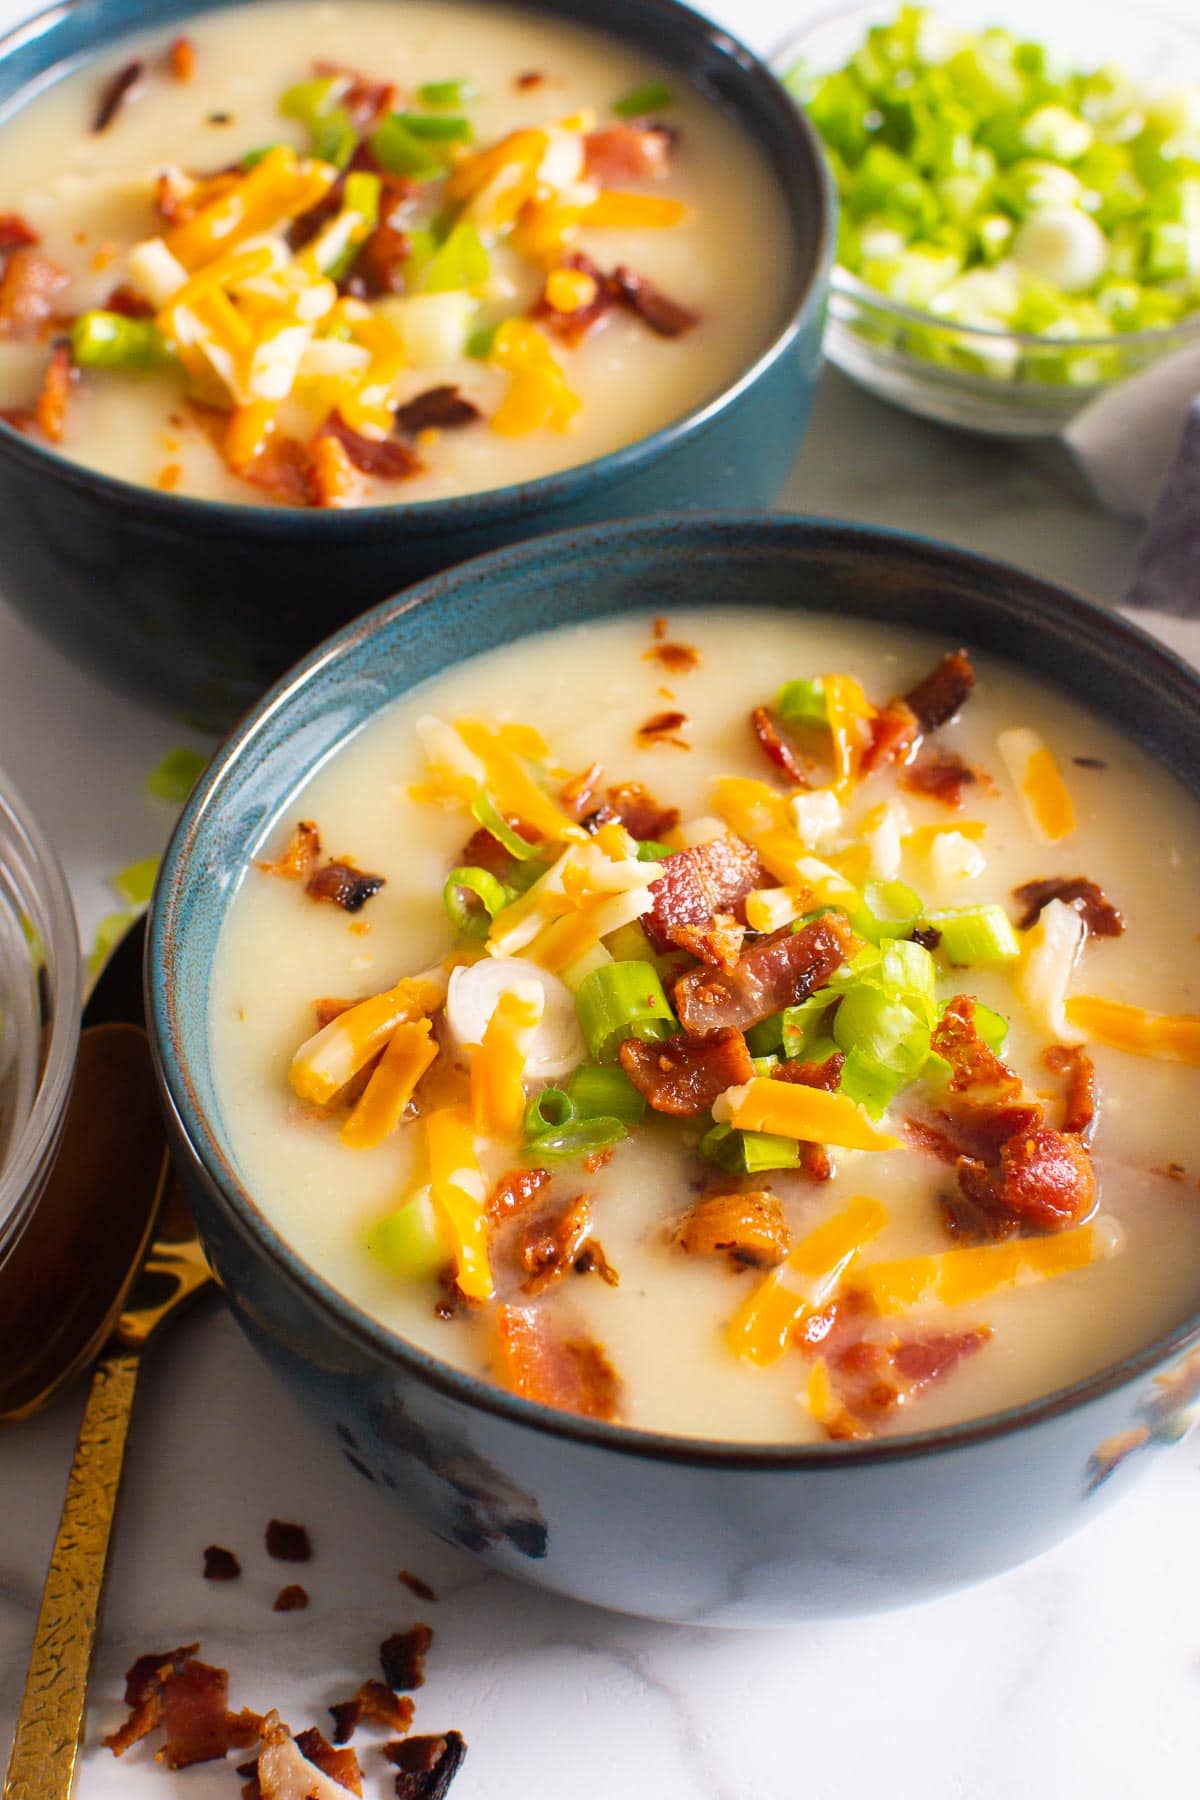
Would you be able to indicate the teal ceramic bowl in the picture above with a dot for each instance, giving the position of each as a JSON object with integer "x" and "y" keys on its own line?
{"x": 194, "y": 606}
{"x": 708, "y": 1532}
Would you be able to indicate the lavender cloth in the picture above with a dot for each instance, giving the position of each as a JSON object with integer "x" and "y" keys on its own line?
{"x": 1167, "y": 577}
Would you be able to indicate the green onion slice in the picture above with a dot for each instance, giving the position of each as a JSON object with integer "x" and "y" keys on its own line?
{"x": 410, "y": 1242}
{"x": 399, "y": 152}
{"x": 444, "y": 129}
{"x": 486, "y": 813}
{"x": 975, "y": 934}
{"x": 650, "y": 98}
{"x": 135, "y": 883}
{"x": 108, "y": 340}
{"x": 749, "y": 1152}
{"x": 447, "y": 93}
{"x": 621, "y": 1000}
{"x": 549, "y": 1111}
{"x": 472, "y": 884}
{"x": 649, "y": 850}
{"x": 803, "y": 702}
{"x": 580, "y": 1137}
{"x": 598, "y": 1092}
{"x": 176, "y": 775}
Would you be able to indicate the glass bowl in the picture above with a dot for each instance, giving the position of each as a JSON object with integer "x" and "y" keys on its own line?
{"x": 40, "y": 983}
{"x": 984, "y": 378}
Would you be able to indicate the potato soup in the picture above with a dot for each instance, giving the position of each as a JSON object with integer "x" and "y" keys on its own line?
{"x": 359, "y": 253}
{"x": 794, "y": 1042}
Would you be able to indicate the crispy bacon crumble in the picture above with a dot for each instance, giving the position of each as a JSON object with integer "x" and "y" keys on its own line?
{"x": 288, "y": 1542}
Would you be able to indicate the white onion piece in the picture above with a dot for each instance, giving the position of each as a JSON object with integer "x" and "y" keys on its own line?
{"x": 1062, "y": 245}
{"x": 556, "y": 1046}
{"x": 818, "y": 819}
{"x": 1047, "y": 963}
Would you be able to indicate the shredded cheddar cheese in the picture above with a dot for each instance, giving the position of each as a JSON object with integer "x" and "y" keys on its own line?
{"x": 1038, "y": 779}
{"x": 956, "y": 1277}
{"x": 1171, "y": 1037}
{"x": 457, "y": 1185}
{"x": 325, "y": 1062}
{"x": 762, "y": 1327}
{"x": 785, "y": 1109}
{"x": 498, "y": 1063}
{"x": 410, "y": 1052}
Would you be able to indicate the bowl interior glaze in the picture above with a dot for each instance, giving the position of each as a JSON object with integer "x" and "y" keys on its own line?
{"x": 667, "y": 564}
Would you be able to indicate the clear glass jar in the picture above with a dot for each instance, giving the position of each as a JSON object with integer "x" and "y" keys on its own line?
{"x": 40, "y": 994}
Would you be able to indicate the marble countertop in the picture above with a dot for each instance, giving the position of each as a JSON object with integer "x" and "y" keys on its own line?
{"x": 1078, "y": 1674}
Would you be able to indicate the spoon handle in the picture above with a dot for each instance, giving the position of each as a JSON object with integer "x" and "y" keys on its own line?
{"x": 50, "y": 1723}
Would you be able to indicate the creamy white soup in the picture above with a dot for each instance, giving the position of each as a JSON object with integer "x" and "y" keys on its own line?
{"x": 360, "y": 253}
{"x": 807, "y": 1050}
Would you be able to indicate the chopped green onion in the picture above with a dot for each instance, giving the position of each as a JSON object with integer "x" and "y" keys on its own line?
{"x": 975, "y": 934}
{"x": 176, "y": 775}
{"x": 446, "y": 130}
{"x": 410, "y": 1242}
{"x": 109, "y": 932}
{"x": 252, "y": 158}
{"x": 332, "y": 136}
{"x": 360, "y": 210}
{"x": 481, "y": 343}
{"x": 580, "y": 1137}
{"x": 597, "y": 1092}
{"x": 765, "y": 1038}
{"x": 991, "y": 1026}
{"x": 398, "y": 152}
{"x": 461, "y": 261}
{"x": 522, "y": 875}
{"x": 749, "y": 1152}
{"x": 763, "y": 1065}
{"x": 549, "y": 1111}
{"x": 463, "y": 885}
{"x": 486, "y": 813}
{"x": 801, "y": 1023}
{"x": 135, "y": 883}
{"x": 109, "y": 340}
{"x": 803, "y": 702}
{"x": 649, "y": 850}
{"x": 621, "y": 1000}
{"x": 869, "y": 1082}
{"x": 650, "y": 98}
{"x": 890, "y": 909}
{"x": 446, "y": 93}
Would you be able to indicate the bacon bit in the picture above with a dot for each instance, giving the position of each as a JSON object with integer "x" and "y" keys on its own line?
{"x": 21, "y": 419}
{"x": 483, "y": 851}
{"x": 591, "y": 1259}
{"x": 292, "y": 1598}
{"x": 373, "y": 1702}
{"x": 531, "y": 78}
{"x": 379, "y": 266}
{"x": 935, "y": 699}
{"x": 684, "y": 1075}
{"x": 169, "y": 477}
{"x": 666, "y": 317}
{"x": 299, "y": 863}
{"x": 1080, "y": 1099}
{"x": 551, "y": 1245}
{"x": 402, "y": 1658}
{"x": 383, "y": 457}
{"x": 664, "y": 728}
{"x": 416, "y": 1586}
{"x": 694, "y": 885}
{"x": 27, "y": 290}
{"x": 639, "y": 812}
{"x": 719, "y": 943}
{"x": 972, "y": 1063}
{"x": 680, "y": 659}
{"x": 631, "y": 152}
{"x": 894, "y": 732}
{"x": 328, "y": 1010}
{"x": 574, "y": 325}
{"x": 1098, "y": 914}
{"x": 778, "y": 971}
{"x": 220, "y": 1565}
{"x": 119, "y": 90}
{"x": 1047, "y": 1179}
{"x": 285, "y": 469}
{"x": 921, "y": 1135}
{"x": 984, "y": 1123}
{"x": 778, "y": 751}
{"x": 826, "y": 1075}
{"x": 577, "y": 796}
{"x": 15, "y": 234}
{"x": 444, "y": 407}
{"x": 928, "y": 936}
{"x": 749, "y": 1229}
{"x": 514, "y": 1192}
{"x": 599, "y": 1159}
{"x": 1089, "y": 762}
{"x": 188, "y": 1698}
{"x": 305, "y": 1767}
{"x": 288, "y": 1543}
{"x": 51, "y": 411}
{"x": 344, "y": 885}
{"x": 182, "y": 58}
{"x": 540, "y": 1360}
{"x": 426, "y": 1765}
{"x": 872, "y": 1380}
{"x": 339, "y": 1765}
{"x": 941, "y": 775}
{"x": 331, "y": 481}
{"x": 363, "y": 99}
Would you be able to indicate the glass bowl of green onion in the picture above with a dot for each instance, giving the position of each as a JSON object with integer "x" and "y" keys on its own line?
{"x": 1019, "y": 219}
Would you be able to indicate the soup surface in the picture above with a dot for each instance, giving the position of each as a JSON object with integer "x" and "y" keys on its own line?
{"x": 1006, "y": 1198}
{"x": 361, "y": 253}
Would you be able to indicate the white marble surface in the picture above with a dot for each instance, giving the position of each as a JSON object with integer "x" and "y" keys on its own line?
{"x": 1078, "y": 1675}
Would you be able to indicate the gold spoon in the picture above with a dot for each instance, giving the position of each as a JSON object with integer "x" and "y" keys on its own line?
{"x": 85, "y": 1287}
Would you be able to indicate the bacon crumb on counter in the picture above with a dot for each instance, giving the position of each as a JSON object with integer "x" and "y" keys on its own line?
{"x": 513, "y": 1192}
{"x": 1080, "y": 1099}
{"x": 941, "y": 775}
{"x": 694, "y": 885}
{"x": 633, "y": 152}
{"x": 292, "y": 1598}
{"x": 287, "y": 1542}
{"x": 445, "y": 407}
{"x": 344, "y": 885}
{"x": 182, "y": 58}
{"x": 684, "y": 1075}
{"x": 539, "y": 1359}
{"x": 386, "y": 458}
{"x": 114, "y": 96}
{"x": 1098, "y": 914}
{"x": 304, "y": 1767}
{"x": 220, "y": 1564}
{"x": 416, "y": 1585}
{"x": 402, "y": 1658}
{"x": 375, "y": 1704}
{"x": 748, "y": 1228}
{"x": 777, "y": 971}
{"x": 29, "y": 286}
{"x": 189, "y": 1699}
{"x": 680, "y": 659}
{"x": 663, "y": 728}
{"x": 780, "y": 753}
{"x": 941, "y": 694}
{"x": 426, "y": 1766}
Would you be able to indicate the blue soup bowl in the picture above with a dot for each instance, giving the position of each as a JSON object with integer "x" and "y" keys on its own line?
{"x": 194, "y": 606}
{"x": 707, "y": 1532}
